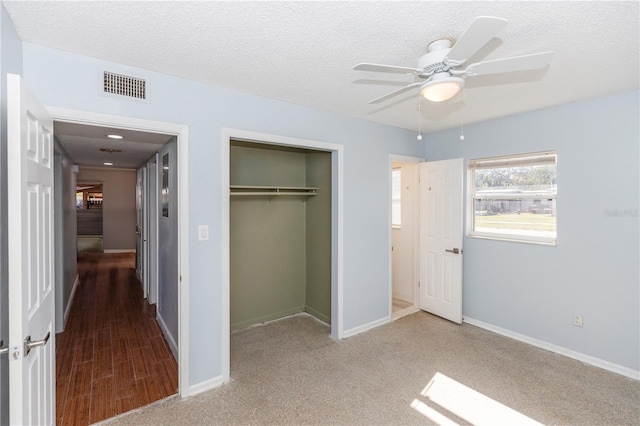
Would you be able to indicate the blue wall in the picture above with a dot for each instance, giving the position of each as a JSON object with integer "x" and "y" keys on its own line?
{"x": 534, "y": 290}
{"x": 71, "y": 81}
{"x": 528, "y": 289}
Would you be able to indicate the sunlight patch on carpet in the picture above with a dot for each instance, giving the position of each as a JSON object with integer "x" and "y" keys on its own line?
{"x": 467, "y": 404}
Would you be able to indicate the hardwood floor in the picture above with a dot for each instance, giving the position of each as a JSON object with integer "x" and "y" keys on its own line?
{"x": 112, "y": 356}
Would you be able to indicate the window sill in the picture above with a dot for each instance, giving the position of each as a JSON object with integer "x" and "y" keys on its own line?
{"x": 541, "y": 241}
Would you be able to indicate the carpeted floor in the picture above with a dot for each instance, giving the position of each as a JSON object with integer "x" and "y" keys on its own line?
{"x": 291, "y": 372}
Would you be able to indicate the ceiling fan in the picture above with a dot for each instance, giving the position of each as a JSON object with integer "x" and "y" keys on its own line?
{"x": 442, "y": 70}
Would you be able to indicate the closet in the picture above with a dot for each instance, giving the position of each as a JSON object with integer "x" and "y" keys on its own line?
{"x": 280, "y": 233}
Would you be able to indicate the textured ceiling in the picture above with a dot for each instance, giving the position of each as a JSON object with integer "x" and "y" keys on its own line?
{"x": 304, "y": 52}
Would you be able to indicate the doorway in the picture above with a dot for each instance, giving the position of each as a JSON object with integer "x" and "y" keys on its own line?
{"x": 404, "y": 231}
{"x": 179, "y": 170}
{"x": 336, "y": 214}
{"x": 89, "y": 217}
{"x": 280, "y": 233}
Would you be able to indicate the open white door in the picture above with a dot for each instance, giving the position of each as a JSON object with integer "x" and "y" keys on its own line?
{"x": 152, "y": 229}
{"x": 441, "y": 238}
{"x": 31, "y": 258}
{"x": 141, "y": 230}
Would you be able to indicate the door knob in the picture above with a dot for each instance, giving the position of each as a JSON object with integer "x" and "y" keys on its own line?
{"x": 28, "y": 344}
{"x": 454, "y": 251}
{"x": 3, "y": 350}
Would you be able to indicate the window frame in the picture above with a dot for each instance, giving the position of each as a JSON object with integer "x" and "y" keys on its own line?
{"x": 527, "y": 159}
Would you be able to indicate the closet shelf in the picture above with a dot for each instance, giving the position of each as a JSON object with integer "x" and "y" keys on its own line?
{"x": 271, "y": 191}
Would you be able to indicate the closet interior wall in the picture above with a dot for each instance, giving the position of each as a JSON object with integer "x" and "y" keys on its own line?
{"x": 280, "y": 245}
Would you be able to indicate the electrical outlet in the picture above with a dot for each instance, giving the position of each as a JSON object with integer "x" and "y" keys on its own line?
{"x": 577, "y": 320}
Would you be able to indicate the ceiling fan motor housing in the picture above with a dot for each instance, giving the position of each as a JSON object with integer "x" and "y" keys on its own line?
{"x": 433, "y": 61}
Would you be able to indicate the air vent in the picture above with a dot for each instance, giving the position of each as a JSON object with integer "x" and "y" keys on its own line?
{"x": 125, "y": 85}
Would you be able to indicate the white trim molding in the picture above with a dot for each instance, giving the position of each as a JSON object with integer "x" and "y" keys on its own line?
{"x": 181, "y": 131}
{"x": 587, "y": 359}
{"x": 168, "y": 336}
{"x": 71, "y": 298}
{"x": 366, "y": 327}
{"x": 207, "y": 385}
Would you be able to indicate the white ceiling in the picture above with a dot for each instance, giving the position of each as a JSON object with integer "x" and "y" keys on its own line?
{"x": 82, "y": 143}
{"x": 304, "y": 52}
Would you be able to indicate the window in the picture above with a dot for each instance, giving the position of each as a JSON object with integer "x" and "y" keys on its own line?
{"x": 513, "y": 198}
{"x": 396, "y": 198}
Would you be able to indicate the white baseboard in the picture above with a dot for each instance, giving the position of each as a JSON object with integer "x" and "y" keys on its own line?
{"x": 365, "y": 327}
{"x": 587, "y": 359}
{"x": 119, "y": 251}
{"x": 71, "y": 297}
{"x": 206, "y": 385}
{"x": 165, "y": 330}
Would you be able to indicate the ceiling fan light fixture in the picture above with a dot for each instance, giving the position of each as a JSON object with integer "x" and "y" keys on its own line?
{"x": 440, "y": 89}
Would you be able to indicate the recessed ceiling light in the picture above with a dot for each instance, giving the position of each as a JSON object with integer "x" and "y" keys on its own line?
{"x": 115, "y": 137}
{"x": 108, "y": 164}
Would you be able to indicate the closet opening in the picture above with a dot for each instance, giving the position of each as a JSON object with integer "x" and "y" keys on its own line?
{"x": 295, "y": 186}
{"x": 280, "y": 233}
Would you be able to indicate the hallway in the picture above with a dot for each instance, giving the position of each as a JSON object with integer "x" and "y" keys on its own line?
{"x": 112, "y": 356}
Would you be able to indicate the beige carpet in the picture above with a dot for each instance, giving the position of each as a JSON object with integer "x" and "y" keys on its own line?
{"x": 291, "y": 372}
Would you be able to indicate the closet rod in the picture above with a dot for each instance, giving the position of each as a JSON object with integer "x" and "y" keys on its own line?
{"x": 271, "y": 194}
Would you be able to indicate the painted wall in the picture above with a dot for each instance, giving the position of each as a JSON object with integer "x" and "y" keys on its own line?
{"x": 403, "y": 238}
{"x": 535, "y": 290}
{"x": 266, "y": 238}
{"x": 118, "y": 207}
{"x": 280, "y": 247}
{"x": 10, "y": 62}
{"x": 65, "y": 234}
{"x": 318, "y": 241}
{"x": 71, "y": 81}
{"x": 168, "y": 249}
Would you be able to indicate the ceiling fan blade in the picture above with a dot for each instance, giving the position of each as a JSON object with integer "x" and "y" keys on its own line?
{"x": 515, "y": 63}
{"x": 476, "y": 36}
{"x": 386, "y": 68}
{"x": 396, "y": 92}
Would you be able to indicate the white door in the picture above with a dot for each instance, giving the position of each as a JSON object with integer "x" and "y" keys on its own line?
{"x": 31, "y": 257}
{"x": 141, "y": 230}
{"x": 441, "y": 238}
{"x": 152, "y": 239}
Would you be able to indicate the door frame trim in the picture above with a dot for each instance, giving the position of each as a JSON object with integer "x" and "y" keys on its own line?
{"x": 416, "y": 225}
{"x": 181, "y": 131}
{"x": 337, "y": 227}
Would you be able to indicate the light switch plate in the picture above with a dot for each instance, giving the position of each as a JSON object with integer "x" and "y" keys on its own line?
{"x": 203, "y": 232}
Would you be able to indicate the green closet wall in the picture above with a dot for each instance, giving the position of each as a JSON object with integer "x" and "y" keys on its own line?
{"x": 280, "y": 247}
